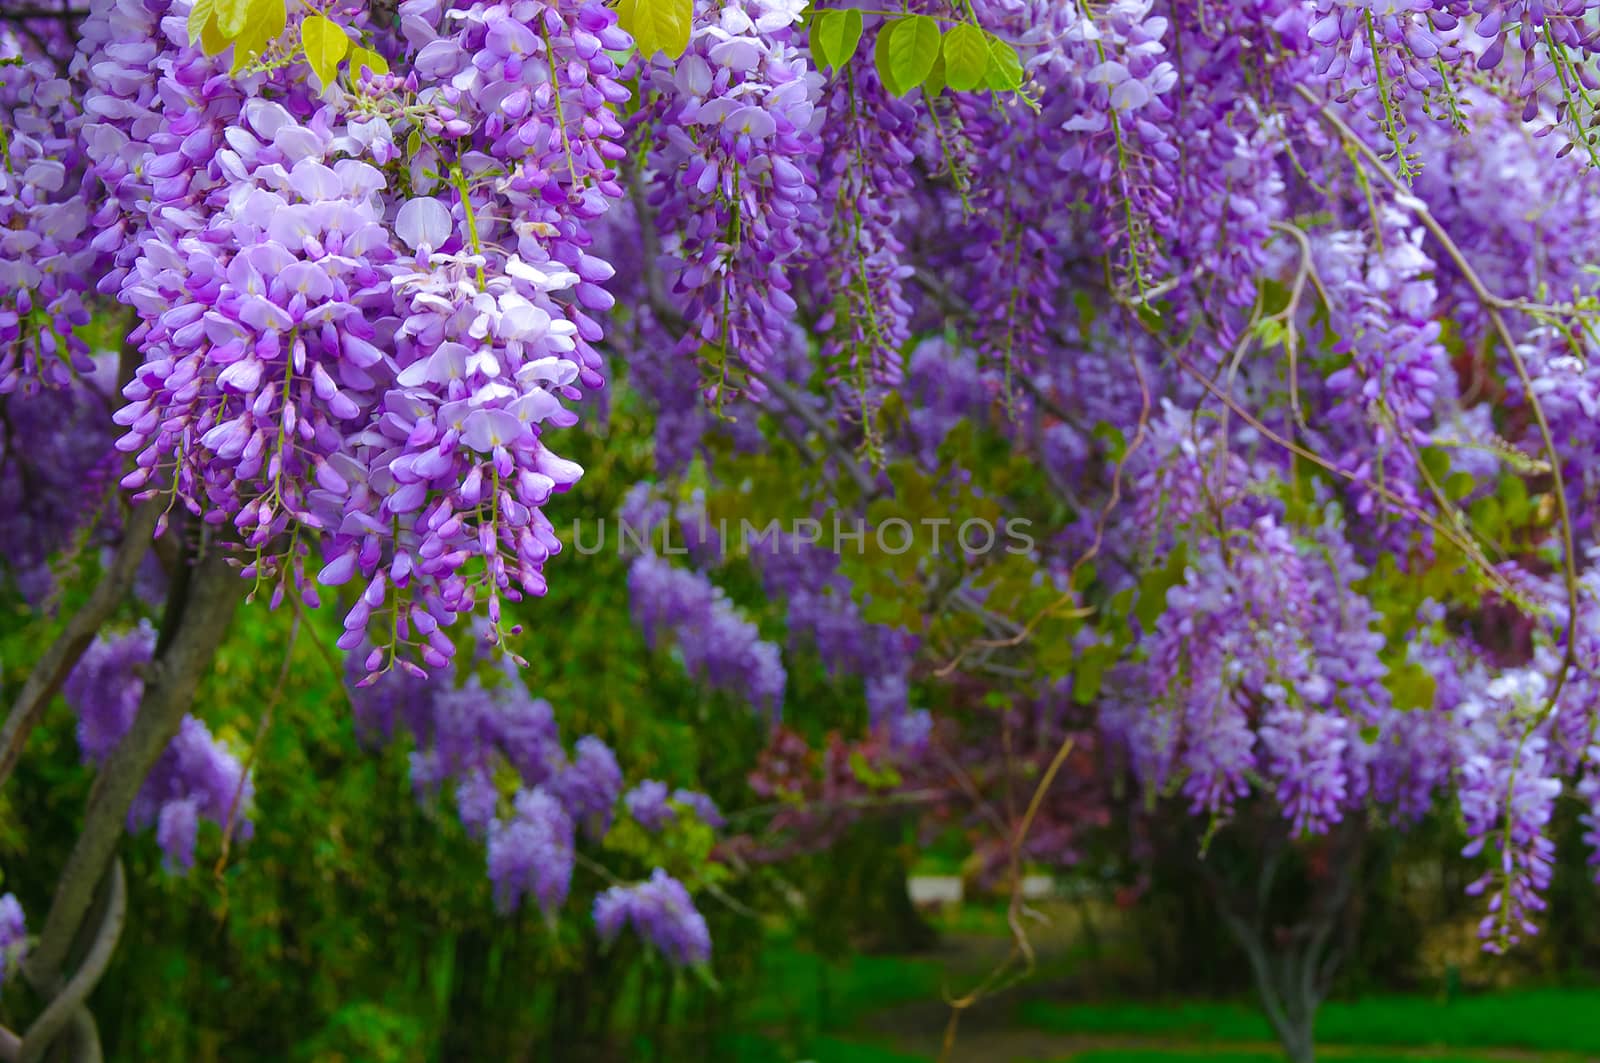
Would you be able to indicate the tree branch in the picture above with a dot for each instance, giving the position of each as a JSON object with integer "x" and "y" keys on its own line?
{"x": 68, "y": 1005}
{"x": 796, "y": 405}
{"x": 58, "y": 661}
{"x": 1493, "y": 304}
{"x": 214, "y": 594}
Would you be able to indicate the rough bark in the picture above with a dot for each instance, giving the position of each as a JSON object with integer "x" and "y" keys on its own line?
{"x": 68, "y": 1011}
{"x": 210, "y": 599}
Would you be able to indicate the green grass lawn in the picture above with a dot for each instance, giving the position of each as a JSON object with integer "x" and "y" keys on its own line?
{"x": 798, "y": 988}
{"x": 819, "y": 1049}
{"x": 1225, "y": 1056}
{"x": 1553, "y": 1020}
{"x": 808, "y": 1008}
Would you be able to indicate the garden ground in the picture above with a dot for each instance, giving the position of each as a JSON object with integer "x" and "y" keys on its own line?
{"x": 890, "y": 1009}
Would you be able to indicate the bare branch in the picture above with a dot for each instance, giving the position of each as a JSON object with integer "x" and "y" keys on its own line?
{"x": 1494, "y": 305}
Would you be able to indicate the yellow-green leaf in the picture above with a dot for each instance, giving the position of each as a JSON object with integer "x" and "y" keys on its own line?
{"x": 880, "y": 60}
{"x": 625, "y": 16}
{"x": 230, "y": 15}
{"x": 264, "y": 23}
{"x": 200, "y": 16}
{"x": 936, "y": 81}
{"x": 913, "y": 45}
{"x": 836, "y": 36}
{"x": 966, "y": 58}
{"x": 1005, "y": 69}
{"x": 662, "y": 26}
{"x": 325, "y": 44}
{"x": 203, "y": 28}
{"x": 366, "y": 57}
{"x": 212, "y": 42}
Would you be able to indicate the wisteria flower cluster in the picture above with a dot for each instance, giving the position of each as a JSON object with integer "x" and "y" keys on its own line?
{"x": 661, "y": 912}
{"x": 517, "y": 789}
{"x": 197, "y": 778}
{"x": 733, "y": 181}
{"x": 1223, "y": 294}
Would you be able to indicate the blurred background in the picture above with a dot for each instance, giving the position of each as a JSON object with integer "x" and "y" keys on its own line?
{"x": 358, "y": 923}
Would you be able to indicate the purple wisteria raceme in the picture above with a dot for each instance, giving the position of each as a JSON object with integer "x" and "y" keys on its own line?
{"x": 1588, "y": 791}
{"x": 589, "y": 785}
{"x": 347, "y": 356}
{"x": 1382, "y": 53}
{"x": 661, "y": 911}
{"x": 701, "y": 805}
{"x": 716, "y": 643}
{"x": 471, "y": 734}
{"x": 654, "y": 808}
{"x": 531, "y": 853}
{"x": 1382, "y": 403}
{"x": 494, "y": 321}
{"x": 865, "y": 193}
{"x": 647, "y": 804}
{"x": 1305, "y": 752}
{"x": 1263, "y": 671}
{"x": 13, "y": 937}
{"x": 57, "y": 473}
{"x": 197, "y": 777}
{"x": 1507, "y": 788}
{"x": 467, "y": 733}
{"x": 121, "y": 57}
{"x": 45, "y": 258}
{"x": 732, "y": 182}
{"x": 1104, "y": 83}
{"x": 516, "y": 789}
{"x": 104, "y": 688}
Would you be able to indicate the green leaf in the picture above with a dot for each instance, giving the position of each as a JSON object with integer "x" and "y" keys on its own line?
{"x": 1005, "y": 69}
{"x": 1090, "y": 670}
{"x": 880, "y": 61}
{"x": 1116, "y": 443}
{"x": 1437, "y": 462}
{"x": 1271, "y": 332}
{"x": 1411, "y": 686}
{"x": 1156, "y": 583}
{"x": 662, "y": 26}
{"x": 325, "y": 45}
{"x": 913, "y": 45}
{"x": 966, "y": 57}
{"x": 836, "y": 36}
{"x": 937, "y": 81}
